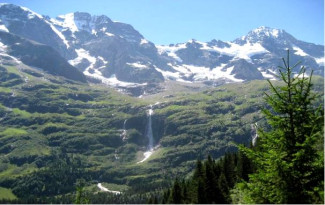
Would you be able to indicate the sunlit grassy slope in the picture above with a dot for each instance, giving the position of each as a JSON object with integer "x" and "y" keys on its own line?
{"x": 42, "y": 115}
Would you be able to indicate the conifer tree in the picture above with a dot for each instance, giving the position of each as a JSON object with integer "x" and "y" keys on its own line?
{"x": 211, "y": 184}
{"x": 288, "y": 167}
{"x": 177, "y": 193}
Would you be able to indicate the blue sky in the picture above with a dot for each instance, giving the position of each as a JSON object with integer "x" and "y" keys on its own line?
{"x": 176, "y": 21}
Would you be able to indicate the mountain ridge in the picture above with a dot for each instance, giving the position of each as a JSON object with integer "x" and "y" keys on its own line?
{"x": 118, "y": 55}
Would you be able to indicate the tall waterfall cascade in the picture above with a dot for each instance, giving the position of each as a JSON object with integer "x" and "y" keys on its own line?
{"x": 149, "y": 135}
{"x": 124, "y": 132}
{"x": 255, "y": 135}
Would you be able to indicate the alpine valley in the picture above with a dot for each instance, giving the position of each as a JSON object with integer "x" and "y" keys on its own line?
{"x": 84, "y": 99}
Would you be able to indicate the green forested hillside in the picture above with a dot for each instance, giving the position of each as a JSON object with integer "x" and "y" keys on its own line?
{"x": 56, "y": 132}
{"x": 283, "y": 165}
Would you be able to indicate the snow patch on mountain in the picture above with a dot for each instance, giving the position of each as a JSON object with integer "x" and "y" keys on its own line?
{"x": 137, "y": 65}
{"x": 111, "y": 81}
{"x": 3, "y": 47}
{"x": 199, "y": 73}
{"x": 97, "y": 74}
{"x": 109, "y": 34}
{"x": 31, "y": 14}
{"x": 3, "y": 28}
{"x": 320, "y": 61}
{"x": 143, "y": 41}
{"x": 262, "y": 30}
{"x": 83, "y": 54}
{"x": 260, "y": 33}
{"x": 177, "y": 76}
{"x": 245, "y": 51}
{"x": 299, "y": 51}
{"x": 267, "y": 74}
{"x": 4, "y": 55}
{"x": 219, "y": 72}
{"x": 171, "y": 50}
{"x": 61, "y": 36}
{"x": 66, "y": 21}
{"x": 103, "y": 60}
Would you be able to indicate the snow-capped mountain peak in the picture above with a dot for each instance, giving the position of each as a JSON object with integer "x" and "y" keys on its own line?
{"x": 77, "y": 21}
{"x": 18, "y": 11}
{"x": 262, "y": 33}
{"x": 267, "y": 31}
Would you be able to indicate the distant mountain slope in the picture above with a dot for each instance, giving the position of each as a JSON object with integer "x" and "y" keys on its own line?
{"x": 254, "y": 56}
{"x": 38, "y": 55}
{"x": 118, "y": 55}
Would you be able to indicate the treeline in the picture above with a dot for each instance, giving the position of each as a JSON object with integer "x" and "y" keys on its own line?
{"x": 211, "y": 182}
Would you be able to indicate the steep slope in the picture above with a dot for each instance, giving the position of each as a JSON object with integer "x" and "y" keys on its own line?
{"x": 38, "y": 55}
{"x": 110, "y": 51}
{"x": 28, "y": 24}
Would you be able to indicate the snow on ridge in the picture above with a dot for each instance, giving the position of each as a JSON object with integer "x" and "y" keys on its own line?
{"x": 177, "y": 76}
{"x": 238, "y": 51}
{"x": 83, "y": 54}
{"x": 66, "y": 21}
{"x": 199, "y": 73}
{"x": 112, "y": 81}
{"x": 137, "y": 65}
{"x": 31, "y": 14}
{"x": 61, "y": 36}
{"x": 267, "y": 31}
{"x": 3, "y": 28}
{"x": 171, "y": 50}
{"x": 267, "y": 74}
{"x": 143, "y": 41}
{"x": 320, "y": 61}
{"x": 103, "y": 60}
{"x": 3, "y": 47}
{"x": 109, "y": 34}
{"x": 299, "y": 51}
{"x": 96, "y": 73}
{"x": 304, "y": 75}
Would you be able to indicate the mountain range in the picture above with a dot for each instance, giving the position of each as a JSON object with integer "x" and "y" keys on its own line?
{"x": 64, "y": 121}
{"x": 79, "y": 46}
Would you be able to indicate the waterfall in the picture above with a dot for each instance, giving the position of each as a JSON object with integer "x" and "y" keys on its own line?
{"x": 149, "y": 130}
{"x": 124, "y": 132}
{"x": 149, "y": 135}
{"x": 255, "y": 135}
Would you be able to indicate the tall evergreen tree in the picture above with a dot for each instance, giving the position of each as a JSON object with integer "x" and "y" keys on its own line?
{"x": 211, "y": 184}
{"x": 177, "y": 193}
{"x": 201, "y": 194}
{"x": 288, "y": 168}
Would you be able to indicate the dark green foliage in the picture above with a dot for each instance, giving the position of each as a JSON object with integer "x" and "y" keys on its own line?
{"x": 289, "y": 166}
{"x": 177, "y": 193}
{"x": 81, "y": 197}
{"x": 211, "y": 181}
{"x": 59, "y": 177}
